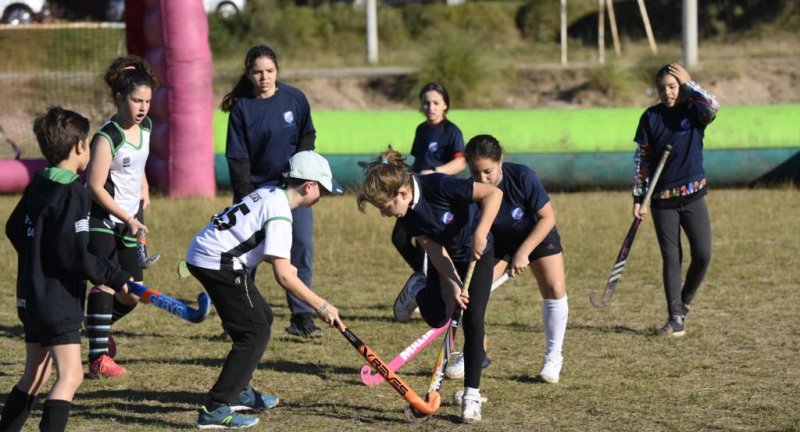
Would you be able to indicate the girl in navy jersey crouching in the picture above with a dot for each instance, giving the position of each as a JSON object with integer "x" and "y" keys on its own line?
{"x": 451, "y": 218}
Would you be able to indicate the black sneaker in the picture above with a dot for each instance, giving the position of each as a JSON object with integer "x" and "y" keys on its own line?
{"x": 303, "y": 325}
{"x": 684, "y": 310}
{"x": 673, "y": 328}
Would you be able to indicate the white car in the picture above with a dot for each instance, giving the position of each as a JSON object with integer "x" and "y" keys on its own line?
{"x": 22, "y": 11}
{"x": 115, "y": 9}
{"x": 225, "y": 8}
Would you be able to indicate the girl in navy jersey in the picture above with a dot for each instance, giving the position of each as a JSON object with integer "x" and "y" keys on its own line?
{"x": 451, "y": 218}
{"x": 438, "y": 147}
{"x": 525, "y": 232}
{"x": 120, "y": 194}
{"x": 678, "y": 201}
{"x": 269, "y": 122}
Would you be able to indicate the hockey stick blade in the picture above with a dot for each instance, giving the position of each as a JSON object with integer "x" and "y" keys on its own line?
{"x": 601, "y": 301}
{"x": 171, "y": 305}
{"x": 428, "y": 407}
{"x": 371, "y": 378}
{"x": 145, "y": 261}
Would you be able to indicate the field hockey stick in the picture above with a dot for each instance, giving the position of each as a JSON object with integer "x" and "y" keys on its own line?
{"x": 171, "y": 305}
{"x": 141, "y": 251}
{"x": 371, "y": 378}
{"x": 425, "y": 407}
{"x": 601, "y": 301}
{"x": 444, "y": 354}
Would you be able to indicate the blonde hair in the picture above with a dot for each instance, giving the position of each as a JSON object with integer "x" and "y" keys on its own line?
{"x": 383, "y": 178}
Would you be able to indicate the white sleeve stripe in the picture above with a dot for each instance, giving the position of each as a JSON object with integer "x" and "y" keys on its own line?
{"x": 82, "y": 225}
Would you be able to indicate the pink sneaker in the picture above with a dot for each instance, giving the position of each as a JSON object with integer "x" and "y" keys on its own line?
{"x": 106, "y": 367}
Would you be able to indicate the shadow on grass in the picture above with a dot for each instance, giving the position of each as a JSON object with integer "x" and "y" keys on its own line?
{"x": 136, "y": 407}
{"x": 12, "y": 331}
{"x": 619, "y": 329}
{"x": 360, "y": 413}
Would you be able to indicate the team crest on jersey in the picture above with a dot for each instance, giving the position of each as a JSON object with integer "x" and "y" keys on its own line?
{"x": 126, "y": 162}
{"x": 289, "y": 117}
{"x": 433, "y": 146}
{"x": 517, "y": 213}
{"x": 447, "y": 217}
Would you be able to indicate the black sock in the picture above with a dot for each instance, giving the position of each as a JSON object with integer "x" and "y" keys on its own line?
{"x": 120, "y": 310}
{"x": 98, "y": 322}
{"x": 54, "y": 415}
{"x": 16, "y": 410}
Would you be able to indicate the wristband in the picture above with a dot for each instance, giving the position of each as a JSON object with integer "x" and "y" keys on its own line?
{"x": 323, "y": 309}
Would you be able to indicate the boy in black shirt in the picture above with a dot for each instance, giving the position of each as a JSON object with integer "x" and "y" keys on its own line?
{"x": 49, "y": 229}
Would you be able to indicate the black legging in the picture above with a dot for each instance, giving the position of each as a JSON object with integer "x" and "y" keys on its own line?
{"x": 695, "y": 221}
{"x": 247, "y": 318}
{"x": 413, "y": 254}
{"x": 436, "y": 305}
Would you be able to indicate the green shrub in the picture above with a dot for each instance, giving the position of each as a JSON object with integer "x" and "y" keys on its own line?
{"x": 540, "y": 20}
{"x": 614, "y": 82}
{"x": 456, "y": 62}
{"x": 392, "y": 31}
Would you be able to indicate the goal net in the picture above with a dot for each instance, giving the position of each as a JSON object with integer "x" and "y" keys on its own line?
{"x": 53, "y": 64}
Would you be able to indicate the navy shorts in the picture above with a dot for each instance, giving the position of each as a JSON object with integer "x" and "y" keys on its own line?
{"x": 551, "y": 245}
{"x": 45, "y": 337}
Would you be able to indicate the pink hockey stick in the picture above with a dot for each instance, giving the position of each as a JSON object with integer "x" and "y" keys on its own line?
{"x": 371, "y": 378}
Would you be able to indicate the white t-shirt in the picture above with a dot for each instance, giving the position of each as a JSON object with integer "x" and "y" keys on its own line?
{"x": 246, "y": 233}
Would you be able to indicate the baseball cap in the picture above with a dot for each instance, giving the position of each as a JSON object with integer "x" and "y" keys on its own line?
{"x": 310, "y": 165}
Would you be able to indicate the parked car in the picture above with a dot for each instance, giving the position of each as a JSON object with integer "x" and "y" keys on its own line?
{"x": 115, "y": 9}
{"x": 22, "y": 11}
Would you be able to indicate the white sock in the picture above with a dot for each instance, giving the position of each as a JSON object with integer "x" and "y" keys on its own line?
{"x": 472, "y": 392}
{"x": 554, "y": 319}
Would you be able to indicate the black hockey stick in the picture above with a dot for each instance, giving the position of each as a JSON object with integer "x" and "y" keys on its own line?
{"x": 145, "y": 261}
{"x": 601, "y": 301}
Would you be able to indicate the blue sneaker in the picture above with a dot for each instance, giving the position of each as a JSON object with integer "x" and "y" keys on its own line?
{"x": 249, "y": 399}
{"x": 224, "y": 418}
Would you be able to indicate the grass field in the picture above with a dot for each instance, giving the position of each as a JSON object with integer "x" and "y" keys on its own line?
{"x": 736, "y": 369}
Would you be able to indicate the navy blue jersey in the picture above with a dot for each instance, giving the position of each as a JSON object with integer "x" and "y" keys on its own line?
{"x": 446, "y": 213}
{"x": 267, "y": 132}
{"x": 681, "y": 127}
{"x": 436, "y": 145}
{"x": 523, "y": 196}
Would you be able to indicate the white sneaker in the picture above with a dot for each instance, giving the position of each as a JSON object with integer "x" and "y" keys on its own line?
{"x": 458, "y": 397}
{"x": 455, "y": 367}
{"x": 551, "y": 368}
{"x": 406, "y": 301}
{"x": 471, "y": 407}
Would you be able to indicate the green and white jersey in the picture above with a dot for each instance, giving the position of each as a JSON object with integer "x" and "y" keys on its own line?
{"x": 126, "y": 174}
{"x": 246, "y": 233}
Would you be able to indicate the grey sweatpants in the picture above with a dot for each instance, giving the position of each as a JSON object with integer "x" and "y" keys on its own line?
{"x": 694, "y": 220}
